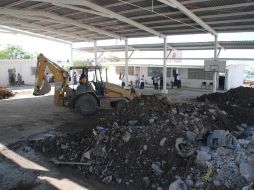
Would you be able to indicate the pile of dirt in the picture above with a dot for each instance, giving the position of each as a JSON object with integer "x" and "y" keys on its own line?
{"x": 5, "y": 93}
{"x": 238, "y": 102}
{"x": 136, "y": 146}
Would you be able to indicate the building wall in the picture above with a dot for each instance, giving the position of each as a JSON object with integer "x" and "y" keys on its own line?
{"x": 234, "y": 76}
{"x": 21, "y": 66}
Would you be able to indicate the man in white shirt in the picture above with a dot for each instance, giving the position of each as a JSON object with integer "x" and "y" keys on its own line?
{"x": 155, "y": 83}
{"x": 178, "y": 78}
{"x": 142, "y": 82}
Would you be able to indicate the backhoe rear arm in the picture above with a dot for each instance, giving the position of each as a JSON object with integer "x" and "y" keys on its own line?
{"x": 60, "y": 79}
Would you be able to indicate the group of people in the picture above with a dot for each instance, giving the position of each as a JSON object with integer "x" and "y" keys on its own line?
{"x": 14, "y": 81}
{"x": 176, "y": 82}
{"x": 156, "y": 81}
{"x": 139, "y": 81}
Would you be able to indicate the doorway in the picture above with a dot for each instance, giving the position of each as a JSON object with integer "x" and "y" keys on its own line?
{"x": 222, "y": 82}
{"x": 12, "y": 76}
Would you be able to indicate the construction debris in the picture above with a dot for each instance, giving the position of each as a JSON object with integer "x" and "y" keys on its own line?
{"x": 162, "y": 145}
{"x": 5, "y": 93}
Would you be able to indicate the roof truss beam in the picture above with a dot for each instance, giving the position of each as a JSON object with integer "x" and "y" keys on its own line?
{"x": 106, "y": 11}
{"x": 187, "y": 12}
{"x": 17, "y": 31}
{"x": 40, "y": 27}
{"x": 17, "y": 13}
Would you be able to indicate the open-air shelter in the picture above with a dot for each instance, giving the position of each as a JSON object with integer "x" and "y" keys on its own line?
{"x": 90, "y": 21}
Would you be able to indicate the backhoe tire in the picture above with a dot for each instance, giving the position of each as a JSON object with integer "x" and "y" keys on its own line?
{"x": 86, "y": 104}
{"x": 120, "y": 105}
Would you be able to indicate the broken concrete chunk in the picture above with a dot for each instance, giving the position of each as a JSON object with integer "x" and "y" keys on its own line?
{"x": 163, "y": 141}
{"x": 151, "y": 121}
{"x": 126, "y": 137}
{"x": 247, "y": 171}
{"x": 133, "y": 122}
{"x": 191, "y": 136}
{"x": 156, "y": 168}
{"x": 64, "y": 147}
{"x": 178, "y": 185}
{"x": 107, "y": 179}
{"x": 203, "y": 156}
{"x": 86, "y": 155}
{"x": 223, "y": 151}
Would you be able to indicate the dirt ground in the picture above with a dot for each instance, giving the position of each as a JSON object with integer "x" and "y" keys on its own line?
{"x": 25, "y": 117}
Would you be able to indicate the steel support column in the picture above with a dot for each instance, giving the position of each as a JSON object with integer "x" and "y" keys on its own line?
{"x": 95, "y": 53}
{"x": 165, "y": 67}
{"x": 71, "y": 58}
{"x": 215, "y": 58}
{"x": 126, "y": 63}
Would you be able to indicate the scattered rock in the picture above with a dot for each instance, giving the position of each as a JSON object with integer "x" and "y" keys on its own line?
{"x": 163, "y": 141}
{"x": 126, "y": 137}
{"x": 203, "y": 156}
{"x": 178, "y": 185}
{"x": 107, "y": 179}
{"x": 151, "y": 121}
{"x": 133, "y": 122}
{"x": 86, "y": 155}
{"x": 247, "y": 171}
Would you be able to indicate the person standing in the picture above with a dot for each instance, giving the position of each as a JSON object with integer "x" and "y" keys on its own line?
{"x": 19, "y": 79}
{"x": 178, "y": 78}
{"x": 123, "y": 81}
{"x": 155, "y": 83}
{"x": 136, "y": 81}
{"x": 74, "y": 78}
{"x": 142, "y": 82}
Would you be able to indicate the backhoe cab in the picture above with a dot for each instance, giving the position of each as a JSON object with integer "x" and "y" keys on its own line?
{"x": 91, "y": 93}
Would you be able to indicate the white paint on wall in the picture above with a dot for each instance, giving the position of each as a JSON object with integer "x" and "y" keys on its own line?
{"x": 235, "y": 76}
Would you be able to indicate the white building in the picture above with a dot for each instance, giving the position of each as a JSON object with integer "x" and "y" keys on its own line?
{"x": 191, "y": 75}
{"x": 26, "y": 68}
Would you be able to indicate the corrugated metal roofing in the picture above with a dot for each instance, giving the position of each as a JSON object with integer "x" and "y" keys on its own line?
{"x": 221, "y": 15}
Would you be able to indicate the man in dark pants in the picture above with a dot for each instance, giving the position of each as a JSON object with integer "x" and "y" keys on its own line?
{"x": 178, "y": 78}
{"x": 155, "y": 83}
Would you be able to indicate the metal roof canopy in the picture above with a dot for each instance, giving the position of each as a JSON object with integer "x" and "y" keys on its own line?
{"x": 177, "y": 46}
{"x": 85, "y": 20}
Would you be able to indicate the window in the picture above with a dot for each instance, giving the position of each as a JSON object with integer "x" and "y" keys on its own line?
{"x": 168, "y": 72}
{"x": 137, "y": 70}
{"x": 199, "y": 74}
{"x": 154, "y": 71}
{"x": 33, "y": 70}
{"x": 121, "y": 69}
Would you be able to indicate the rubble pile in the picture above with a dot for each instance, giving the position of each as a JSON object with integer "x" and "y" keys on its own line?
{"x": 238, "y": 102}
{"x": 219, "y": 164}
{"x": 153, "y": 142}
{"x": 5, "y": 93}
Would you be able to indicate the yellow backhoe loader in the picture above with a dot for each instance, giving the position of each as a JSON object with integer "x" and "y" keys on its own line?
{"x": 91, "y": 94}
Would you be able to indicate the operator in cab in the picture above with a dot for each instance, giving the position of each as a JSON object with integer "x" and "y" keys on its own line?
{"x": 82, "y": 79}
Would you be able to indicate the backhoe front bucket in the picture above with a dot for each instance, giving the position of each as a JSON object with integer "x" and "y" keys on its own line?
{"x": 45, "y": 87}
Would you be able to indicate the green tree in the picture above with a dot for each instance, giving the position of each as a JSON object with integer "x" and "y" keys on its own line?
{"x": 251, "y": 71}
{"x": 14, "y": 52}
{"x": 113, "y": 59}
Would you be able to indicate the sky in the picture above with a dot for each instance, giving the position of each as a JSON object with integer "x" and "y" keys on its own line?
{"x": 62, "y": 51}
